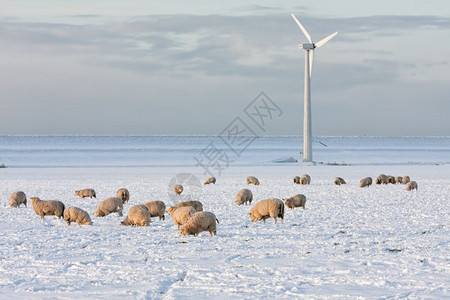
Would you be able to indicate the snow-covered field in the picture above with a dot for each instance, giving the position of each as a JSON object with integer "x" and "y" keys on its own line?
{"x": 376, "y": 242}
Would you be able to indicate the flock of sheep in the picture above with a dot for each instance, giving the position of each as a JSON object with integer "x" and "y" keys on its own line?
{"x": 189, "y": 214}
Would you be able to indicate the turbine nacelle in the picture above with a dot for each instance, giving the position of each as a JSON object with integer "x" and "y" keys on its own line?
{"x": 307, "y": 46}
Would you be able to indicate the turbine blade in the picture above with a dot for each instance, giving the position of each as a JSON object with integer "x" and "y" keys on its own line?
{"x": 308, "y": 37}
{"x": 325, "y": 40}
{"x": 311, "y": 59}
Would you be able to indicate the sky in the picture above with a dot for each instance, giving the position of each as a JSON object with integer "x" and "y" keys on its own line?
{"x": 192, "y": 67}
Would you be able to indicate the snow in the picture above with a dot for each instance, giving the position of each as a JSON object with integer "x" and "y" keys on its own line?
{"x": 349, "y": 242}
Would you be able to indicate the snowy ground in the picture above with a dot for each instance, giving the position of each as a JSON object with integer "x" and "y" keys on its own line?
{"x": 376, "y": 242}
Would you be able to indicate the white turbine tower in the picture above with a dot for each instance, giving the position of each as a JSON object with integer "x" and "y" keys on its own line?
{"x": 309, "y": 57}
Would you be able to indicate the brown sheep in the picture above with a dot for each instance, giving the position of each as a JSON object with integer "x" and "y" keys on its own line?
{"x": 123, "y": 194}
{"x": 295, "y": 201}
{"x": 110, "y": 205}
{"x": 17, "y": 198}
{"x": 398, "y": 179}
{"x": 412, "y": 185}
{"x": 297, "y": 179}
{"x": 339, "y": 181}
{"x": 210, "y": 180}
{"x": 252, "y": 180}
{"x": 180, "y": 214}
{"x": 405, "y": 179}
{"x": 244, "y": 196}
{"x": 197, "y": 205}
{"x": 365, "y": 182}
{"x": 86, "y": 193}
{"x": 178, "y": 189}
{"x": 382, "y": 179}
{"x": 198, "y": 222}
{"x": 47, "y": 207}
{"x": 305, "y": 179}
{"x": 138, "y": 215}
{"x": 156, "y": 209}
{"x": 75, "y": 214}
{"x": 269, "y": 208}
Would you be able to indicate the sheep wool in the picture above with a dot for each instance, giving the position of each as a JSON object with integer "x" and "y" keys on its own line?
{"x": 75, "y": 214}
{"x": 268, "y": 208}
{"x": 156, "y": 209}
{"x": 47, "y": 207}
{"x": 110, "y": 205}
{"x": 198, "y": 222}
{"x": 17, "y": 198}
{"x": 138, "y": 215}
{"x": 244, "y": 196}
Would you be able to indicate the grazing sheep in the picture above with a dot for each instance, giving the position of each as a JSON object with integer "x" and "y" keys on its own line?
{"x": 365, "y": 182}
{"x": 178, "y": 189}
{"x": 86, "y": 193}
{"x": 138, "y": 215}
{"x": 110, "y": 205}
{"x": 398, "y": 179}
{"x": 269, "y": 208}
{"x": 252, "y": 180}
{"x": 75, "y": 214}
{"x": 382, "y": 179}
{"x": 412, "y": 185}
{"x": 180, "y": 214}
{"x": 210, "y": 180}
{"x": 17, "y": 198}
{"x": 297, "y": 179}
{"x": 405, "y": 179}
{"x": 295, "y": 201}
{"x": 244, "y": 196}
{"x": 391, "y": 179}
{"x": 197, "y": 205}
{"x": 198, "y": 222}
{"x": 156, "y": 209}
{"x": 47, "y": 207}
{"x": 339, "y": 181}
{"x": 305, "y": 179}
{"x": 123, "y": 194}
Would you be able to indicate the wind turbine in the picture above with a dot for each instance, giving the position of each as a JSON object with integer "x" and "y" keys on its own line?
{"x": 309, "y": 57}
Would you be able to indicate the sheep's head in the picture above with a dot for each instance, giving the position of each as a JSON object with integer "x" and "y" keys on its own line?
{"x": 170, "y": 210}
{"x": 184, "y": 231}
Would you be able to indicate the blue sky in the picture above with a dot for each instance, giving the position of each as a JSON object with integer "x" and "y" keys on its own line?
{"x": 168, "y": 67}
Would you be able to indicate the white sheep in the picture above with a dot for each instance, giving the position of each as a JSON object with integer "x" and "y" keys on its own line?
{"x": 365, "y": 182}
{"x": 123, "y": 194}
{"x": 197, "y": 205}
{"x": 412, "y": 185}
{"x": 47, "y": 207}
{"x": 382, "y": 179}
{"x": 210, "y": 180}
{"x": 75, "y": 214}
{"x": 86, "y": 193}
{"x": 268, "y": 208}
{"x": 252, "y": 180}
{"x": 405, "y": 179}
{"x": 298, "y": 200}
{"x": 198, "y": 222}
{"x": 305, "y": 179}
{"x": 244, "y": 196}
{"x": 180, "y": 214}
{"x": 297, "y": 179}
{"x": 17, "y": 198}
{"x": 138, "y": 215}
{"x": 339, "y": 181}
{"x": 110, "y": 205}
{"x": 178, "y": 189}
{"x": 156, "y": 209}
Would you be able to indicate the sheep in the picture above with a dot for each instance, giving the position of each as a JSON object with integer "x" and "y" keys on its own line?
{"x": 197, "y": 205}
{"x": 75, "y": 214}
{"x": 252, "y": 180}
{"x": 339, "y": 181}
{"x": 180, "y": 214}
{"x": 382, "y": 179}
{"x": 86, "y": 193}
{"x": 47, "y": 207}
{"x": 123, "y": 194}
{"x": 405, "y": 179}
{"x": 268, "y": 208}
{"x": 210, "y": 180}
{"x": 412, "y": 185}
{"x": 297, "y": 179}
{"x": 244, "y": 196}
{"x": 110, "y": 205}
{"x": 298, "y": 200}
{"x": 17, "y": 198}
{"x": 198, "y": 222}
{"x": 178, "y": 189}
{"x": 138, "y": 215}
{"x": 305, "y": 179}
{"x": 156, "y": 209}
{"x": 365, "y": 182}
{"x": 398, "y": 179}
